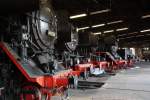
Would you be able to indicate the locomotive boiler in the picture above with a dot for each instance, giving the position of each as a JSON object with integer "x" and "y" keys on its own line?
{"x": 29, "y": 69}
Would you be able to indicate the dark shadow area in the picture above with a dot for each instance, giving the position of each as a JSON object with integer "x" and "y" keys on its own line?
{"x": 89, "y": 85}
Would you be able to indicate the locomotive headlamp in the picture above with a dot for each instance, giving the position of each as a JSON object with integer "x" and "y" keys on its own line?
{"x": 51, "y": 34}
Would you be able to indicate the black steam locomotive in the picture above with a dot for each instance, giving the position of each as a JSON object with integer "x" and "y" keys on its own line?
{"x": 29, "y": 69}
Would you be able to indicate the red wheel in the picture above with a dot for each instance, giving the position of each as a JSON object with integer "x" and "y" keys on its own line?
{"x": 31, "y": 93}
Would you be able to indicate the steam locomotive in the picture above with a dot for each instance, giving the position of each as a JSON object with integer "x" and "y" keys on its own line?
{"x": 29, "y": 69}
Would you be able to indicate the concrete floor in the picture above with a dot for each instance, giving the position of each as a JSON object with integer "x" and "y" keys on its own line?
{"x": 131, "y": 84}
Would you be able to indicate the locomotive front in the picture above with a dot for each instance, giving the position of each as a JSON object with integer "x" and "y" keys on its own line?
{"x": 28, "y": 65}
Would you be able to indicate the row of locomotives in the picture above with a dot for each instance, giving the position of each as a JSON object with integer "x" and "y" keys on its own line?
{"x": 101, "y": 65}
{"x": 104, "y": 61}
{"x": 79, "y": 64}
{"x": 96, "y": 64}
{"x": 82, "y": 65}
{"x": 29, "y": 68}
{"x": 83, "y": 70}
{"x": 113, "y": 64}
{"x": 127, "y": 54}
{"x": 91, "y": 65}
{"x": 121, "y": 63}
{"x": 67, "y": 48}
{"x": 107, "y": 48}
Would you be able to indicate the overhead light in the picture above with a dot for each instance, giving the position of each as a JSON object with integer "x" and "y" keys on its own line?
{"x": 98, "y": 33}
{"x": 78, "y": 16}
{"x": 99, "y": 25}
{"x": 121, "y": 38}
{"x": 133, "y": 33}
{"x": 130, "y": 37}
{"x": 114, "y": 22}
{"x": 128, "y": 33}
{"x": 126, "y": 37}
{"x": 82, "y": 28}
{"x": 139, "y": 35}
{"x": 121, "y": 29}
{"x": 109, "y": 31}
{"x": 145, "y": 16}
{"x": 101, "y": 11}
{"x": 122, "y": 34}
{"x": 145, "y": 30}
